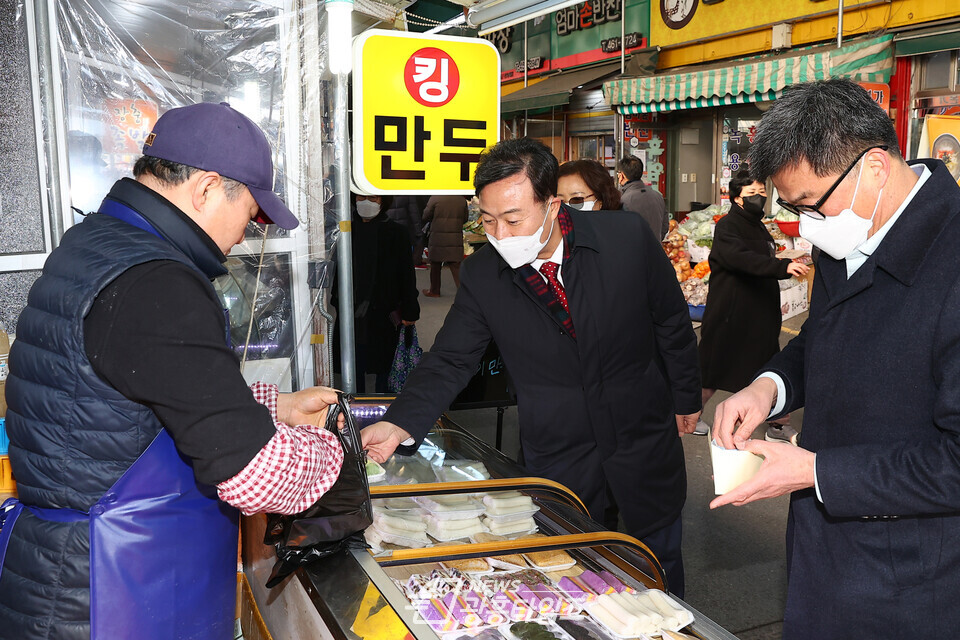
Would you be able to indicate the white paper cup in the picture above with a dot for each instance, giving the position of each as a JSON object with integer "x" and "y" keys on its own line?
{"x": 732, "y": 467}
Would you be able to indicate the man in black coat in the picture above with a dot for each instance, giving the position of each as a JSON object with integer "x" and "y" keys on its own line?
{"x": 873, "y": 537}
{"x": 601, "y": 352}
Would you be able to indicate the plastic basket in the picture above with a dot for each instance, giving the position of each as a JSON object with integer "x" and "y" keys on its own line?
{"x": 791, "y": 229}
{"x": 696, "y": 311}
{"x": 4, "y": 439}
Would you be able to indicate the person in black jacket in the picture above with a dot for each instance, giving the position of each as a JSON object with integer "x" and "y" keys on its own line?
{"x": 384, "y": 288}
{"x": 741, "y": 324}
{"x": 596, "y": 335}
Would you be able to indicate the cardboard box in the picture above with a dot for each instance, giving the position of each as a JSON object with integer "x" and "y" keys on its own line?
{"x": 793, "y": 301}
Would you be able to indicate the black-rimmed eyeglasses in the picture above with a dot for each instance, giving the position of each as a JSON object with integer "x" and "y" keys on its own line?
{"x": 813, "y": 210}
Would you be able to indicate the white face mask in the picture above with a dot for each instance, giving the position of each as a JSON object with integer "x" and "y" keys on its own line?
{"x": 840, "y": 235}
{"x": 367, "y": 209}
{"x": 521, "y": 250}
{"x": 586, "y": 205}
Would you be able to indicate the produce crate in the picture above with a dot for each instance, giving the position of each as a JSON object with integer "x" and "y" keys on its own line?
{"x": 696, "y": 311}
{"x": 697, "y": 253}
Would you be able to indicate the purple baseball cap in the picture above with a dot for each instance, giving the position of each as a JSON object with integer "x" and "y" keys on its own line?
{"x": 216, "y": 137}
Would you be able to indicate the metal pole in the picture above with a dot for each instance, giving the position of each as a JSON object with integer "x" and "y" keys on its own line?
{"x": 618, "y": 118}
{"x": 524, "y": 54}
{"x": 339, "y": 55}
{"x": 840, "y": 25}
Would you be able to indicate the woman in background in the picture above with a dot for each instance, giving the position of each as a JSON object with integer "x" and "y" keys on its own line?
{"x": 586, "y": 185}
{"x": 446, "y": 215}
{"x": 384, "y": 289}
{"x": 741, "y": 323}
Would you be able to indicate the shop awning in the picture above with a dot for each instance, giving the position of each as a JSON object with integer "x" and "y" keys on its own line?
{"x": 555, "y": 90}
{"x": 934, "y": 40}
{"x": 753, "y": 79}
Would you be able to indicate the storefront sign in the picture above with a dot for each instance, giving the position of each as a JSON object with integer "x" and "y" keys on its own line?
{"x": 613, "y": 44}
{"x": 502, "y": 39}
{"x": 880, "y": 92}
{"x": 424, "y": 109}
{"x": 532, "y": 64}
{"x": 128, "y": 123}
{"x": 646, "y": 144}
{"x": 674, "y": 22}
{"x": 584, "y": 16}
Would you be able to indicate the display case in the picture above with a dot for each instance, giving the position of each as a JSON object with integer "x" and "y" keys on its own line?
{"x": 366, "y": 593}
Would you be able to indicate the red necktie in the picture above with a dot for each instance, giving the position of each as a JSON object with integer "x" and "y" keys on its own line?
{"x": 549, "y": 270}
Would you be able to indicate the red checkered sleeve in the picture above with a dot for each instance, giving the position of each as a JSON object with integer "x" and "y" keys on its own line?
{"x": 297, "y": 466}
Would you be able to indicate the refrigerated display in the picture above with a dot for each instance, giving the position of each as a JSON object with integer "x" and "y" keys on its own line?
{"x": 563, "y": 577}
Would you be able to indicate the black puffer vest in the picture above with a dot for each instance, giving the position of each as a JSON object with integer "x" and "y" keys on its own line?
{"x": 71, "y": 434}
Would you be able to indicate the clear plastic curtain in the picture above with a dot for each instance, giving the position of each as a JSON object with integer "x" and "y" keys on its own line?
{"x": 124, "y": 63}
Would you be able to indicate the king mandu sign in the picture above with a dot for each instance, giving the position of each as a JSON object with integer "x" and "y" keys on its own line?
{"x": 424, "y": 107}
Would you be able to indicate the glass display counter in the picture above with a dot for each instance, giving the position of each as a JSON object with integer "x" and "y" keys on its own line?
{"x": 367, "y": 593}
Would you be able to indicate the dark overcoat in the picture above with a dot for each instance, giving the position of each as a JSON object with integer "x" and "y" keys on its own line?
{"x": 877, "y": 366}
{"x": 741, "y": 324}
{"x": 594, "y": 410}
{"x": 384, "y": 282}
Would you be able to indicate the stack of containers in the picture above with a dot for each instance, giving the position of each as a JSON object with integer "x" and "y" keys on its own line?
{"x": 7, "y": 483}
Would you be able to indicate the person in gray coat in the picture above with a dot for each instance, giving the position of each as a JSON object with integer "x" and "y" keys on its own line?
{"x": 446, "y": 215}
{"x": 640, "y": 197}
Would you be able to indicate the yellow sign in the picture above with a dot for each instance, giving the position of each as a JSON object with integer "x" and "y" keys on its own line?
{"x": 674, "y": 22}
{"x": 424, "y": 107}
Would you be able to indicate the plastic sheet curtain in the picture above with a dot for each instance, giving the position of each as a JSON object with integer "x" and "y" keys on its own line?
{"x": 123, "y": 63}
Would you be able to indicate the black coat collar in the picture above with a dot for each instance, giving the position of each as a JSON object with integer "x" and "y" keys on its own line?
{"x": 931, "y": 212}
{"x": 175, "y": 226}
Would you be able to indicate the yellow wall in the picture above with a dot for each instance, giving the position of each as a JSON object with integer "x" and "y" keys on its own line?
{"x": 507, "y": 89}
{"x": 725, "y": 17}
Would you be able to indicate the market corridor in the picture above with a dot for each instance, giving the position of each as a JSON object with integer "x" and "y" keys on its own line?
{"x": 734, "y": 557}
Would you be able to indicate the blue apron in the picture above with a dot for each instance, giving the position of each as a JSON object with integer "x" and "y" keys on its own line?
{"x": 163, "y": 550}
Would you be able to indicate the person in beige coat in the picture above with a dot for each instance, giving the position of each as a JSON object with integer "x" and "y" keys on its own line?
{"x": 446, "y": 216}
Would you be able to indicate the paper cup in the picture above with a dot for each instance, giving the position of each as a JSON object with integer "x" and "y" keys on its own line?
{"x": 732, "y": 467}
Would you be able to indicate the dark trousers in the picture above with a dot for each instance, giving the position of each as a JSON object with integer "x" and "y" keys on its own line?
{"x": 665, "y": 544}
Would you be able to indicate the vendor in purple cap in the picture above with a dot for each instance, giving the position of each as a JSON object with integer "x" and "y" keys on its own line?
{"x": 134, "y": 438}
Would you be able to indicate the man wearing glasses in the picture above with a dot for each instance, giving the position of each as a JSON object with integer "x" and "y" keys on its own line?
{"x": 873, "y": 537}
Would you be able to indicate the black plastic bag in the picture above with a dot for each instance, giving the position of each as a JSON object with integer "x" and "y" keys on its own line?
{"x": 337, "y": 520}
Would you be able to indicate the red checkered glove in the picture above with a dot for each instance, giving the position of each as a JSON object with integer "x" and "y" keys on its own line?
{"x": 297, "y": 466}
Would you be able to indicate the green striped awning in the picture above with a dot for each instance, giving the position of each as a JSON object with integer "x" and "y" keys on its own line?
{"x": 752, "y": 79}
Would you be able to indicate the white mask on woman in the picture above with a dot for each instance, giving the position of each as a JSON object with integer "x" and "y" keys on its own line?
{"x": 367, "y": 209}
{"x": 586, "y": 205}
{"x": 840, "y": 235}
{"x": 521, "y": 250}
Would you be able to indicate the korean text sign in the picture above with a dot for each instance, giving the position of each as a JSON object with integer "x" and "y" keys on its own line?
{"x": 424, "y": 107}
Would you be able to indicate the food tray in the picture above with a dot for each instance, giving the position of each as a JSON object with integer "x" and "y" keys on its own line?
{"x": 436, "y": 509}
{"x": 683, "y": 622}
{"x": 589, "y": 627}
{"x": 488, "y": 633}
{"x": 375, "y": 473}
{"x": 485, "y": 572}
{"x": 557, "y": 632}
{"x": 512, "y": 517}
{"x": 552, "y": 567}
